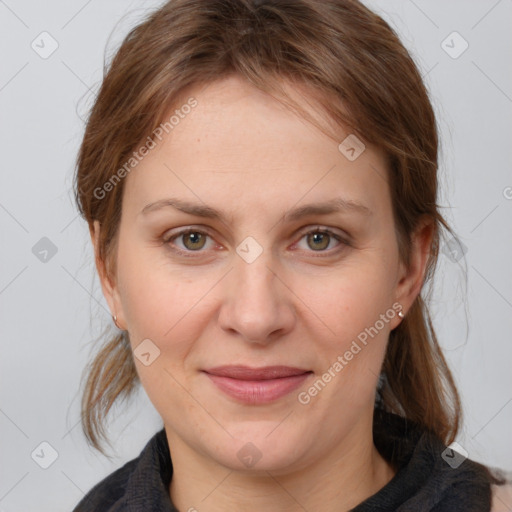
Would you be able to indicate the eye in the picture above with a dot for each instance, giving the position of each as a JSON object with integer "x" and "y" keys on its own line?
{"x": 321, "y": 239}
{"x": 192, "y": 240}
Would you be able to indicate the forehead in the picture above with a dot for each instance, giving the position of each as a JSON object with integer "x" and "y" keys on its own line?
{"x": 239, "y": 144}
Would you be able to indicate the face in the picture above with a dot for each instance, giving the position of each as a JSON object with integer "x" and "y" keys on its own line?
{"x": 239, "y": 272}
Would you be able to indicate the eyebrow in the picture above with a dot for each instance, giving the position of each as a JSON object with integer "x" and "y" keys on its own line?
{"x": 335, "y": 205}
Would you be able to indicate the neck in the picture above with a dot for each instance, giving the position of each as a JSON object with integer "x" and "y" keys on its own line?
{"x": 339, "y": 481}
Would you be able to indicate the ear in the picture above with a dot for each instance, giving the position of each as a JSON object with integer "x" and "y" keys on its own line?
{"x": 108, "y": 282}
{"x": 410, "y": 278}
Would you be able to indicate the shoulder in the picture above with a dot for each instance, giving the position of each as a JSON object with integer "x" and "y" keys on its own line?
{"x": 108, "y": 491}
{"x": 144, "y": 478}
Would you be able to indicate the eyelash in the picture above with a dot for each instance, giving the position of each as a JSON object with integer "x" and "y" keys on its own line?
{"x": 190, "y": 254}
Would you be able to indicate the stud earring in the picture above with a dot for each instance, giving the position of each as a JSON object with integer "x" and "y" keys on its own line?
{"x": 401, "y": 314}
{"x": 114, "y": 318}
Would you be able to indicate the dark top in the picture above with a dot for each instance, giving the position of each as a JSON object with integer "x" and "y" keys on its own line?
{"x": 425, "y": 480}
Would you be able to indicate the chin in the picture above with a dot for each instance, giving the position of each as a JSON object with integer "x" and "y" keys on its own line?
{"x": 257, "y": 452}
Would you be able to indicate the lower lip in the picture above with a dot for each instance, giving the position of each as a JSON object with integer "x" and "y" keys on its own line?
{"x": 258, "y": 391}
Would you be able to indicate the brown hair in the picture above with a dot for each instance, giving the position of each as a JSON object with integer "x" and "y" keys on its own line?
{"x": 363, "y": 78}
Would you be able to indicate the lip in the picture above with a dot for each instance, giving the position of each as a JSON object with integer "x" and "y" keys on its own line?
{"x": 257, "y": 385}
{"x": 263, "y": 373}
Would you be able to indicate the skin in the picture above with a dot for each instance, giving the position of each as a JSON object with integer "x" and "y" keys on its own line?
{"x": 300, "y": 303}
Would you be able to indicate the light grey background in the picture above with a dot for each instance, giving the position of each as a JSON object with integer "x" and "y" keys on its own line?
{"x": 51, "y": 310}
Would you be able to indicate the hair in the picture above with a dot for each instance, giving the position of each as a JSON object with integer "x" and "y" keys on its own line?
{"x": 355, "y": 67}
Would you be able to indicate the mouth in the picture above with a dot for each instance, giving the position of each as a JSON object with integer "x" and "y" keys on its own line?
{"x": 257, "y": 385}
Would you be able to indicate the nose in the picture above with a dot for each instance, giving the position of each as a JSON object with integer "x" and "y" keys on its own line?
{"x": 257, "y": 305}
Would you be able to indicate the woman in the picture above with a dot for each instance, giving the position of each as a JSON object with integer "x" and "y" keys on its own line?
{"x": 259, "y": 179}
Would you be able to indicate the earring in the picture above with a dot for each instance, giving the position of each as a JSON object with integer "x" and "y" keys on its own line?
{"x": 401, "y": 314}
{"x": 114, "y": 318}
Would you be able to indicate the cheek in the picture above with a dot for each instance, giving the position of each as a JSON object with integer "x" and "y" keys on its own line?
{"x": 156, "y": 299}
{"x": 355, "y": 300}
{"x": 357, "y": 309}
{"x": 161, "y": 305}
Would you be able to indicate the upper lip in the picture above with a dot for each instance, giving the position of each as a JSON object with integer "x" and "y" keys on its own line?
{"x": 263, "y": 373}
